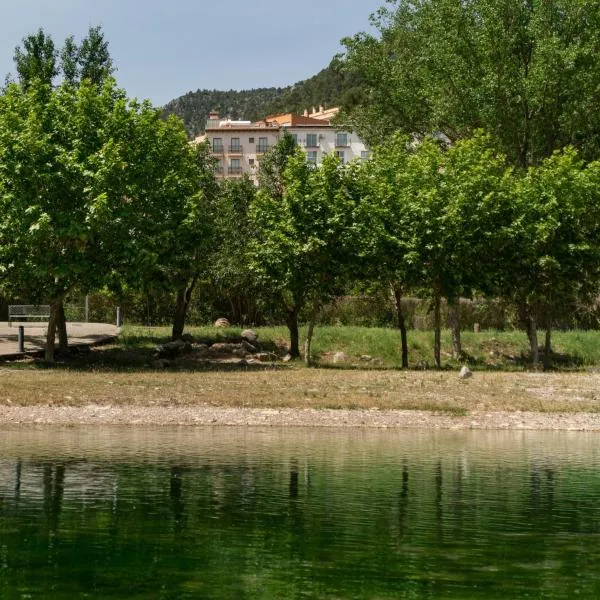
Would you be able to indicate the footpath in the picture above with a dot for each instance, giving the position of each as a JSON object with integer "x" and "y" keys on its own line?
{"x": 89, "y": 334}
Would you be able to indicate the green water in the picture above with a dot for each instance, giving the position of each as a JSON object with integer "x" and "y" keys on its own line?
{"x": 221, "y": 513}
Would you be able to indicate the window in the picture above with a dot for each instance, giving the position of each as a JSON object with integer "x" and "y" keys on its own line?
{"x": 295, "y": 137}
{"x": 251, "y": 162}
{"x": 219, "y": 166}
{"x": 364, "y": 155}
{"x": 311, "y": 156}
{"x": 251, "y": 140}
{"x": 311, "y": 140}
{"x": 217, "y": 144}
{"x": 235, "y": 167}
{"x": 263, "y": 144}
{"x": 341, "y": 139}
{"x": 340, "y": 155}
{"x": 235, "y": 145}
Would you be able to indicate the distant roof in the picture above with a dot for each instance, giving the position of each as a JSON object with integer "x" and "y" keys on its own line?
{"x": 293, "y": 120}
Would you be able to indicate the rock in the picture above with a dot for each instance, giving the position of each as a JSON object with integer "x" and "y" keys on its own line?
{"x": 465, "y": 373}
{"x": 172, "y": 349}
{"x": 340, "y": 357}
{"x": 223, "y": 348}
{"x": 287, "y": 357}
{"x": 248, "y": 347}
{"x": 222, "y": 322}
{"x": 201, "y": 349}
{"x": 161, "y": 363}
{"x": 266, "y": 357}
{"x": 250, "y": 336}
{"x": 366, "y": 358}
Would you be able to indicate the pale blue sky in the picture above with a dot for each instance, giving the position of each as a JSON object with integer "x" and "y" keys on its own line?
{"x": 163, "y": 49}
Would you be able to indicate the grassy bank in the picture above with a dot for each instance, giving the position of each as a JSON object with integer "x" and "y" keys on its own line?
{"x": 486, "y": 350}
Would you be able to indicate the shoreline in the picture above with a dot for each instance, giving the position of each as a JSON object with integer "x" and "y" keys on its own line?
{"x": 205, "y": 415}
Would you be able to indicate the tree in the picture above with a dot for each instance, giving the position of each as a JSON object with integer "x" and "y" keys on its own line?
{"x": 301, "y": 251}
{"x": 272, "y": 189}
{"x": 524, "y": 71}
{"x": 39, "y": 59}
{"x": 435, "y": 221}
{"x": 36, "y": 60}
{"x": 556, "y": 257}
{"x": 95, "y": 62}
{"x": 273, "y": 164}
{"x": 233, "y": 230}
{"x": 85, "y": 177}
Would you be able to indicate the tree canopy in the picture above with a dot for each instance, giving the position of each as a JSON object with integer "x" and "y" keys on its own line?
{"x": 525, "y": 71}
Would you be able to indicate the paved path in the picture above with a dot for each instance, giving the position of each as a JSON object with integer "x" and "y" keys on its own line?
{"x": 35, "y": 335}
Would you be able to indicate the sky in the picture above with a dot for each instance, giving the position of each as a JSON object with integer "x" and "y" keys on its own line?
{"x": 165, "y": 48}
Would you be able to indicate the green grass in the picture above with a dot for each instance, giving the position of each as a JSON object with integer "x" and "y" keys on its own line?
{"x": 486, "y": 350}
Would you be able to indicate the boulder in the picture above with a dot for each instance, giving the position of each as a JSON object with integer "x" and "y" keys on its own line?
{"x": 340, "y": 357}
{"x": 248, "y": 347}
{"x": 222, "y": 322}
{"x": 465, "y": 373}
{"x": 250, "y": 336}
{"x": 172, "y": 349}
{"x": 223, "y": 348}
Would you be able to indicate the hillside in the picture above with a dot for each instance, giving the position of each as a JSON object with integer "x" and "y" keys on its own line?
{"x": 330, "y": 87}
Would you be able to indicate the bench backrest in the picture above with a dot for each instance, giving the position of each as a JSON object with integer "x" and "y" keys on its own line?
{"x": 18, "y": 310}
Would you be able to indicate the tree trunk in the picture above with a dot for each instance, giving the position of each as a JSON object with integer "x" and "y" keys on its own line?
{"x": 291, "y": 320}
{"x": 309, "y": 336}
{"x": 51, "y": 331}
{"x": 61, "y": 325}
{"x": 397, "y": 291}
{"x": 184, "y": 297}
{"x": 533, "y": 341}
{"x": 454, "y": 322}
{"x": 547, "y": 349}
{"x": 437, "y": 325}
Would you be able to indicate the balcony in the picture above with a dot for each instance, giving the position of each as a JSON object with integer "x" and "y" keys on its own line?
{"x": 234, "y": 170}
{"x": 262, "y": 148}
{"x": 235, "y": 149}
{"x": 218, "y": 149}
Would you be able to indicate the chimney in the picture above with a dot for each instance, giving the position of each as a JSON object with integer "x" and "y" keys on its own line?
{"x": 305, "y": 112}
{"x": 321, "y": 108}
{"x": 213, "y": 114}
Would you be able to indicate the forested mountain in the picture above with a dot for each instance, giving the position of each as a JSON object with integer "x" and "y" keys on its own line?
{"x": 330, "y": 87}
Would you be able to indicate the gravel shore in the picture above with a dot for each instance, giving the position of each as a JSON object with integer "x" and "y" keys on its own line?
{"x": 200, "y": 415}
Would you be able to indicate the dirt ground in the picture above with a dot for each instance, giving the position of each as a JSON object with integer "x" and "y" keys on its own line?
{"x": 204, "y": 415}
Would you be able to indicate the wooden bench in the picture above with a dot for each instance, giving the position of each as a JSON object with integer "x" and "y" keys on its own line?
{"x": 25, "y": 312}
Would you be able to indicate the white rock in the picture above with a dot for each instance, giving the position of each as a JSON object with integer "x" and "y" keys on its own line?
{"x": 340, "y": 357}
{"x": 465, "y": 373}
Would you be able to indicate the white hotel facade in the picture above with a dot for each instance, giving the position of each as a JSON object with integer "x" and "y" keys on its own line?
{"x": 239, "y": 146}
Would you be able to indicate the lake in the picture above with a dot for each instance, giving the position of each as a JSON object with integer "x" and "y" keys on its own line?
{"x": 216, "y": 513}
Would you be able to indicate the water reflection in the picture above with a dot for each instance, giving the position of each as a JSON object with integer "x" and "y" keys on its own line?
{"x": 234, "y": 513}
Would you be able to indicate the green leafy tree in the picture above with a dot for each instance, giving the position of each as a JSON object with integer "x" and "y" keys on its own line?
{"x": 69, "y": 61}
{"x": 95, "y": 62}
{"x": 84, "y": 175}
{"x": 435, "y": 221}
{"x": 36, "y": 59}
{"x": 301, "y": 250}
{"x": 39, "y": 59}
{"x": 526, "y": 72}
{"x": 233, "y": 230}
{"x": 556, "y": 258}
